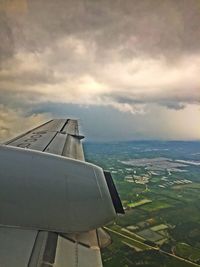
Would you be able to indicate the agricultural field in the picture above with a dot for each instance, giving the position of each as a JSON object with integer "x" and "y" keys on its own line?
{"x": 138, "y": 203}
{"x": 187, "y": 251}
{"x": 156, "y": 206}
{"x": 159, "y": 185}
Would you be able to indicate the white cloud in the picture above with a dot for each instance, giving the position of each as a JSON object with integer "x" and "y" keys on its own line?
{"x": 127, "y": 85}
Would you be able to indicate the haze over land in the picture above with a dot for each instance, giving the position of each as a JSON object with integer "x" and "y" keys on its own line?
{"x": 128, "y": 69}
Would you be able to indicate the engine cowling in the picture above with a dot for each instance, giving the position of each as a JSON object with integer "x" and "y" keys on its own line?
{"x": 49, "y": 192}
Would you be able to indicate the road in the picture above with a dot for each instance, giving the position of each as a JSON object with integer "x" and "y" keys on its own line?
{"x": 151, "y": 247}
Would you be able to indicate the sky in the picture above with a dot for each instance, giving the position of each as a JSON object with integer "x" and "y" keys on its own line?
{"x": 127, "y": 69}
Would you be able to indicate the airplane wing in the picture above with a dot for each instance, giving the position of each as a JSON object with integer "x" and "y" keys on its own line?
{"x": 22, "y": 245}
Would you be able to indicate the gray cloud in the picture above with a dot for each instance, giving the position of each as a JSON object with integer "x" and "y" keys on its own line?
{"x": 171, "y": 99}
{"x": 149, "y": 26}
{"x": 129, "y": 55}
{"x": 14, "y": 122}
{"x": 6, "y": 37}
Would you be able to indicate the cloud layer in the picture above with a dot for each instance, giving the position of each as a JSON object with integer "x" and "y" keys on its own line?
{"x": 128, "y": 55}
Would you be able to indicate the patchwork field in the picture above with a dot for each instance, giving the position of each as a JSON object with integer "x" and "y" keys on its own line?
{"x": 159, "y": 188}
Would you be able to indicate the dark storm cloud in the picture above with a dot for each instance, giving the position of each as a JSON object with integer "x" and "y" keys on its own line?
{"x": 130, "y": 26}
{"x": 150, "y": 26}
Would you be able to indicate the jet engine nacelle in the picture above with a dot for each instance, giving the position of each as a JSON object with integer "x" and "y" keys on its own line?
{"x": 49, "y": 192}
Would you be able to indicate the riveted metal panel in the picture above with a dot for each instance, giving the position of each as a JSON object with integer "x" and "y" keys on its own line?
{"x": 16, "y": 246}
{"x": 40, "y": 137}
{"x": 73, "y": 254}
{"x": 71, "y": 127}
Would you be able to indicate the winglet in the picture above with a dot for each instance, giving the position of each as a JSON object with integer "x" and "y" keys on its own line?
{"x": 79, "y": 137}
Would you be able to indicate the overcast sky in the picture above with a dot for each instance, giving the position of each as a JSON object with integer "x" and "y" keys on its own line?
{"x": 128, "y": 69}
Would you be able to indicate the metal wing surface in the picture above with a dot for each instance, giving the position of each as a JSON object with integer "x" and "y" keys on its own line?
{"x": 32, "y": 248}
{"x": 57, "y": 136}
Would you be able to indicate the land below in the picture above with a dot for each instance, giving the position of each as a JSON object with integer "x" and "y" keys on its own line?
{"x": 159, "y": 185}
